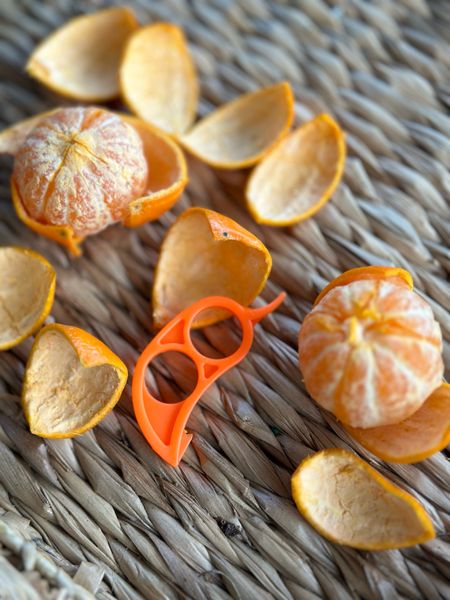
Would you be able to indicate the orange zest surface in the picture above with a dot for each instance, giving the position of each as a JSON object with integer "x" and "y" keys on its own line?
{"x": 370, "y": 350}
{"x": 81, "y": 59}
{"x": 395, "y": 274}
{"x": 350, "y": 503}
{"x": 421, "y": 435}
{"x": 242, "y": 132}
{"x": 27, "y": 289}
{"x": 167, "y": 175}
{"x": 204, "y": 254}
{"x": 300, "y": 175}
{"x": 72, "y": 381}
{"x": 158, "y": 78}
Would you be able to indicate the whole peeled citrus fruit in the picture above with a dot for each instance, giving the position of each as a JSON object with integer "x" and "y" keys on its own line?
{"x": 80, "y": 167}
{"x": 370, "y": 350}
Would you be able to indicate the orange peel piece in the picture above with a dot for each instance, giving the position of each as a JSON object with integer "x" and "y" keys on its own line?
{"x": 27, "y": 290}
{"x": 158, "y": 79}
{"x": 421, "y": 435}
{"x": 300, "y": 175}
{"x": 240, "y": 133}
{"x": 81, "y": 59}
{"x": 167, "y": 174}
{"x": 395, "y": 274}
{"x": 350, "y": 503}
{"x": 204, "y": 254}
{"x": 72, "y": 381}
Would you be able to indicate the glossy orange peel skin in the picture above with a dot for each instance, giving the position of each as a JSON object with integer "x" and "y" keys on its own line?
{"x": 91, "y": 353}
{"x": 298, "y": 177}
{"x": 350, "y": 503}
{"x": 80, "y": 60}
{"x": 163, "y": 424}
{"x": 158, "y": 78}
{"x": 199, "y": 245}
{"x": 418, "y": 437}
{"x": 370, "y": 350}
{"x": 12, "y": 281}
{"x": 240, "y": 133}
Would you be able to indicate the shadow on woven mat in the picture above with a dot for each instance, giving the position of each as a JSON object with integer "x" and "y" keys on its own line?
{"x": 101, "y": 514}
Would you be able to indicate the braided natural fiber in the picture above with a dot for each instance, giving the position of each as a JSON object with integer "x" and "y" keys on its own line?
{"x": 102, "y": 513}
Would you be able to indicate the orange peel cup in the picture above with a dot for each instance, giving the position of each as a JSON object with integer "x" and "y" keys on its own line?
{"x": 163, "y": 425}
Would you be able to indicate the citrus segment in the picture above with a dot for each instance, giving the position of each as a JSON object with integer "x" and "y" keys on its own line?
{"x": 158, "y": 78}
{"x": 58, "y": 233}
{"x": 421, "y": 435}
{"x": 80, "y": 168}
{"x": 167, "y": 175}
{"x": 13, "y": 137}
{"x": 371, "y": 352}
{"x": 72, "y": 380}
{"x": 27, "y": 289}
{"x": 395, "y": 274}
{"x": 207, "y": 254}
{"x": 81, "y": 59}
{"x": 350, "y": 503}
{"x": 298, "y": 177}
{"x": 241, "y": 132}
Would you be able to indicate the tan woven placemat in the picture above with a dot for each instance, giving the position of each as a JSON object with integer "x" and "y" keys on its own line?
{"x": 101, "y": 514}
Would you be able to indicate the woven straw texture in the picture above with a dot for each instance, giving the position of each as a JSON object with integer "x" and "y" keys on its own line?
{"x": 101, "y": 515}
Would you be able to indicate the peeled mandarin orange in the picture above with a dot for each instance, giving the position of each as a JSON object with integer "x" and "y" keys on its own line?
{"x": 350, "y": 503}
{"x": 72, "y": 381}
{"x": 203, "y": 254}
{"x": 167, "y": 175}
{"x": 81, "y": 59}
{"x": 370, "y": 351}
{"x": 80, "y": 167}
{"x": 27, "y": 289}
{"x": 242, "y": 132}
{"x": 158, "y": 78}
{"x": 300, "y": 175}
{"x": 421, "y": 435}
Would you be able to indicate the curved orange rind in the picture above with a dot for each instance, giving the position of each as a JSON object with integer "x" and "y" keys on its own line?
{"x": 240, "y": 133}
{"x": 27, "y": 290}
{"x": 350, "y": 503}
{"x": 81, "y": 59}
{"x": 158, "y": 79}
{"x": 300, "y": 175}
{"x": 167, "y": 174}
{"x": 394, "y": 274}
{"x": 204, "y": 254}
{"x": 416, "y": 438}
{"x": 72, "y": 381}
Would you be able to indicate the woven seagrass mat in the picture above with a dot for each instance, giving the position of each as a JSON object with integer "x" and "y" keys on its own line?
{"x": 101, "y": 514}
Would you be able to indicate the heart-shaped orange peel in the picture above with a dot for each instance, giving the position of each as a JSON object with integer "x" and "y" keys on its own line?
{"x": 421, "y": 435}
{"x": 167, "y": 178}
{"x": 350, "y": 503}
{"x": 300, "y": 175}
{"x": 27, "y": 289}
{"x": 81, "y": 59}
{"x": 242, "y": 132}
{"x": 158, "y": 77}
{"x": 72, "y": 381}
{"x": 204, "y": 254}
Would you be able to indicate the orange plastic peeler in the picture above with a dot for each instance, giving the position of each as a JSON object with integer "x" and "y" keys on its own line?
{"x": 163, "y": 424}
